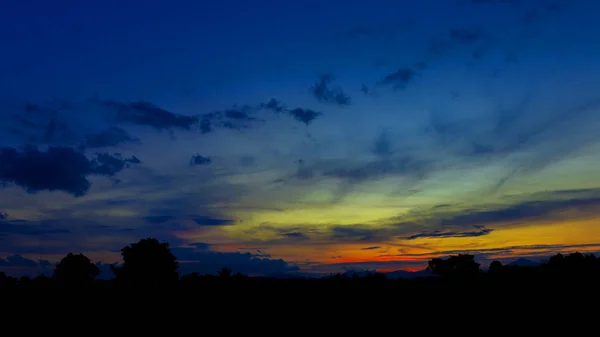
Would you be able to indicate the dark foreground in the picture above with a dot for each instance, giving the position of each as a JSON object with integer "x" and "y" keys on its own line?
{"x": 150, "y": 264}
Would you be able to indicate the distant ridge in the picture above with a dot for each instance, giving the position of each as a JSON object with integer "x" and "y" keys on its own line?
{"x": 394, "y": 275}
{"x": 522, "y": 262}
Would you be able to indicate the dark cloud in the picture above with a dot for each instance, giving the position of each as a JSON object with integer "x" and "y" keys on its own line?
{"x": 509, "y": 250}
{"x": 322, "y": 91}
{"x": 205, "y": 261}
{"x": 383, "y": 145}
{"x": 239, "y": 114}
{"x": 59, "y": 133}
{"x": 523, "y": 211}
{"x": 60, "y": 168}
{"x": 406, "y": 166}
{"x": 518, "y": 130}
{"x": 158, "y": 219}
{"x": 202, "y": 245}
{"x": 112, "y": 136}
{"x": 370, "y": 32}
{"x": 210, "y": 221}
{"x": 24, "y": 227}
{"x": 57, "y": 169}
{"x": 20, "y": 261}
{"x": 422, "y": 65}
{"x": 236, "y": 118}
{"x": 200, "y": 160}
{"x": 399, "y": 79}
{"x": 371, "y": 248}
{"x": 450, "y": 222}
{"x": 110, "y": 164}
{"x": 305, "y": 116}
{"x": 247, "y": 161}
{"x": 366, "y": 267}
{"x": 358, "y": 233}
{"x": 296, "y": 235}
{"x": 3, "y": 215}
{"x": 465, "y": 35}
{"x": 495, "y": 1}
{"x": 365, "y": 89}
{"x": 148, "y": 114}
{"x": 441, "y": 234}
{"x": 273, "y": 105}
{"x": 24, "y": 122}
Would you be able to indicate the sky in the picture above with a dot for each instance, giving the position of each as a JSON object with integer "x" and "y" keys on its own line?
{"x": 298, "y": 137}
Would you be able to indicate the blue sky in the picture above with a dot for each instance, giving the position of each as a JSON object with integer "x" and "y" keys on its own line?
{"x": 297, "y": 136}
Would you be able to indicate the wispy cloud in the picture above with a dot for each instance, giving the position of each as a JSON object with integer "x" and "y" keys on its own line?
{"x": 323, "y": 91}
{"x": 441, "y": 234}
{"x": 148, "y": 114}
{"x": 200, "y": 160}
{"x": 112, "y": 136}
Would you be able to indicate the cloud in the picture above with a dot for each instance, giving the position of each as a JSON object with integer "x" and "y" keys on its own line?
{"x": 201, "y": 220}
{"x": 522, "y": 211}
{"x": 358, "y": 233}
{"x": 209, "y": 221}
{"x": 305, "y": 116}
{"x": 148, "y": 114}
{"x": 19, "y": 261}
{"x": 158, "y": 219}
{"x": 247, "y": 161}
{"x": 200, "y": 160}
{"x": 371, "y": 248}
{"x": 440, "y": 234}
{"x": 236, "y": 118}
{"x": 239, "y": 114}
{"x": 296, "y": 235}
{"x": 383, "y": 146}
{"x": 362, "y": 266}
{"x": 59, "y": 133}
{"x": 24, "y": 227}
{"x": 323, "y": 93}
{"x": 112, "y": 136}
{"x": 522, "y": 132}
{"x": 514, "y": 251}
{"x": 405, "y": 166}
{"x": 202, "y": 245}
{"x": 399, "y": 79}
{"x": 365, "y": 89}
{"x": 450, "y": 221}
{"x": 57, "y": 169}
{"x": 493, "y": 1}
{"x": 273, "y": 105}
{"x": 206, "y": 261}
{"x": 109, "y": 165}
{"x": 3, "y": 215}
{"x": 465, "y": 35}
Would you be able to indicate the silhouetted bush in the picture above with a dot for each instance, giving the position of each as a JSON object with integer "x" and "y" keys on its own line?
{"x": 147, "y": 263}
{"x": 75, "y": 270}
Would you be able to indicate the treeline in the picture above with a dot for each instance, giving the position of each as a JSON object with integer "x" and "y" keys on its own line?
{"x": 150, "y": 263}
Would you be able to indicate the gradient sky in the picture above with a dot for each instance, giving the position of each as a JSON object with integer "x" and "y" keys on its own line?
{"x": 280, "y": 137}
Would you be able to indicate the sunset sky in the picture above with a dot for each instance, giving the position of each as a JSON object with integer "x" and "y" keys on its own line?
{"x": 292, "y": 137}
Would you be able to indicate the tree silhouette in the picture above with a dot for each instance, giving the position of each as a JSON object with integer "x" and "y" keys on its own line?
{"x": 461, "y": 265}
{"x": 225, "y": 272}
{"x": 495, "y": 267}
{"x": 75, "y": 270}
{"x": 147, "y": 263}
